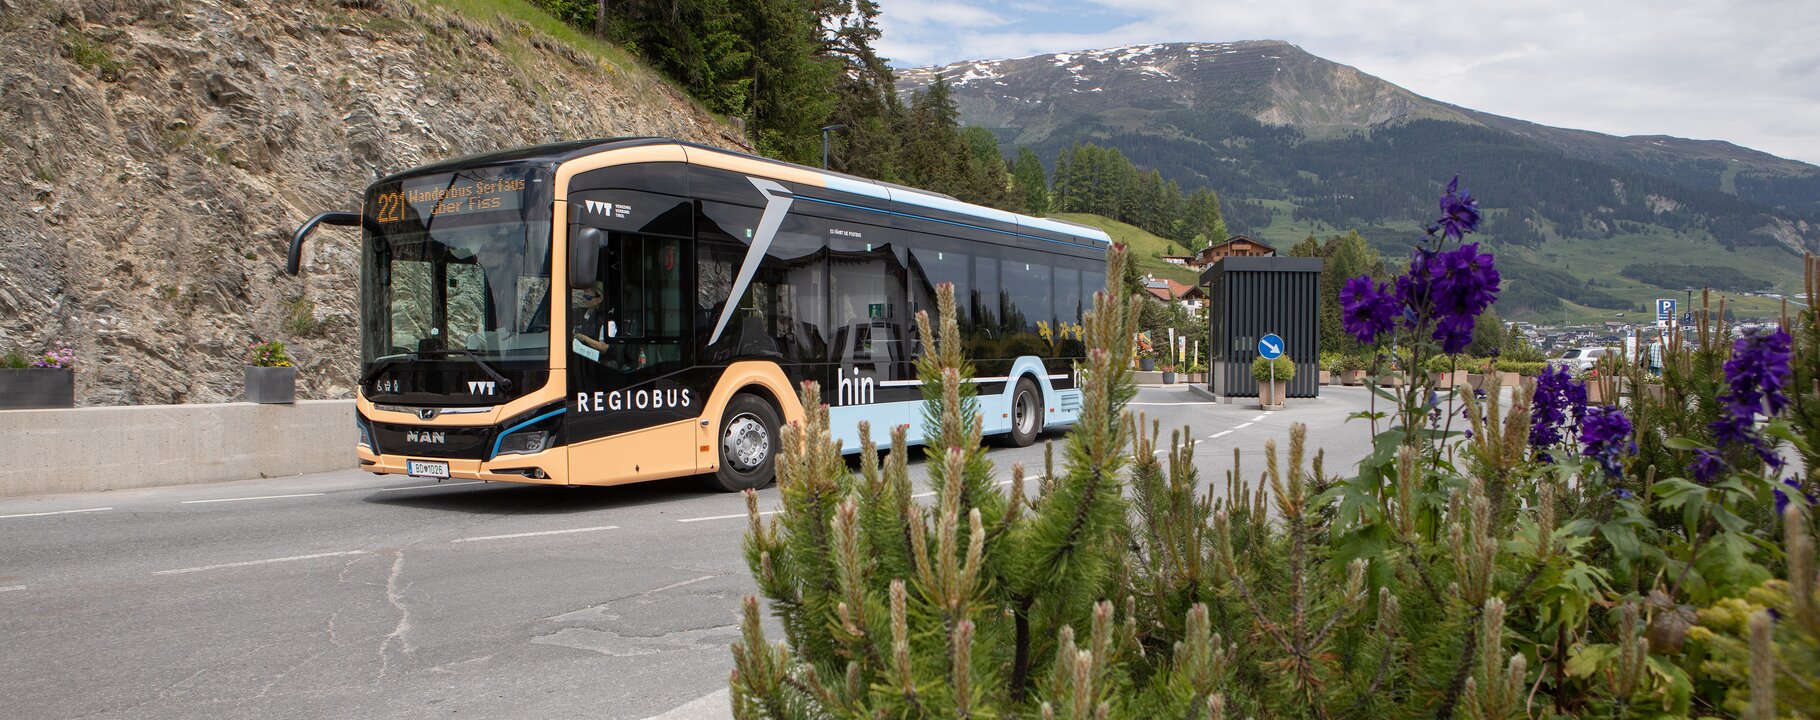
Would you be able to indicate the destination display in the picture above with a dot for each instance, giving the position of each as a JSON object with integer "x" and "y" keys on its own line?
{"x": 423, "y": 198}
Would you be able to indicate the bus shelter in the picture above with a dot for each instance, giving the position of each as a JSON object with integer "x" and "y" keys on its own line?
{"x": 1251, "y": 297}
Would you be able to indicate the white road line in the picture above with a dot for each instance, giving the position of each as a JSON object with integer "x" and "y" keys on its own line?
{"x": 261, "y": 497}
{"x": 1220, "y": 434}
{"x": 1206, "y": 402}
{"x": 433, "y": 485}
{"x": 726, "y": 517}
{"x": 535, "y": 534}
{"x": 1260, "y": 417}
{"x": 11, "y": 588}
{"x": 1241, "y": 426}
{"x": 259, "y": 562}
{"x": 673, "y": 586}
{"x": 54, "y": 512}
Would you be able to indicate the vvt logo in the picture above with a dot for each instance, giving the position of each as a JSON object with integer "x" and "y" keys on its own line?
{"x": 425, "y": 436}
{"x": 608, "y": 209}
{"x": 480, "y": 387}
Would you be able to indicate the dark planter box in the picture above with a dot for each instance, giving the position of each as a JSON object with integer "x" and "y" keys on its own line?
{"x": 1147, "y": 364}
{"x": 37, "y": 388}
{"x": 271, "y": 384}
{"x": 1168, "y": 377}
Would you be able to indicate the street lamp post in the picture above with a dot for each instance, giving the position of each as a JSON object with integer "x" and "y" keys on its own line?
{"x": 825, "y": 131}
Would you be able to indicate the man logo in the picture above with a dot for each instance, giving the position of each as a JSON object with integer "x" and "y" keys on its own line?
{"x": 425, "y": 436}
{"x": 480, "y": 387}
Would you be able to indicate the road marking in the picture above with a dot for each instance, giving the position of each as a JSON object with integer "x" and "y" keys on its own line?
{"x": 434, "y": 485}
{"x": 673, "y": 586}
{"x": 1220, "y": 434}
{"x": 1241, "y": 426}
{"x": 1205, "y": 402}
{"x": 259, "y": 562}
{"x": 1260, "y": 417}
{"x": 261, "y": 497}
{"x": 54, "y": 512}
{"x": 11, "y": 588}
{"x": 535, "y": 534}
{"x": 727, "y": 517}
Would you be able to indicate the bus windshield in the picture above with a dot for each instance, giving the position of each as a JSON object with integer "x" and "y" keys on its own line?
{"x": 456, "y": 261}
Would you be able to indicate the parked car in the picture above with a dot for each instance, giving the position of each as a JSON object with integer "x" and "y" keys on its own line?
{"x": 1581, "y": 359}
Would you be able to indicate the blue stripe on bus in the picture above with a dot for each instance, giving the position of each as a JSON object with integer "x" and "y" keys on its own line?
{"x": 515, "y": 428}
{"x": 945, "y": 222}
{"x": 855, "y": 187}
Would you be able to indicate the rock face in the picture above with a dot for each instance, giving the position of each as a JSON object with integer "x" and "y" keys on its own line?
{"x": 159, "y": 153}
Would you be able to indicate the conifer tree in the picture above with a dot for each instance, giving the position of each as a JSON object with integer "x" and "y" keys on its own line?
{"x": 1027, "y": 173}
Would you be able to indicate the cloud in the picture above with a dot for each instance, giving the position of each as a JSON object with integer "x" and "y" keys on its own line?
{"x": 1747, "y": 71}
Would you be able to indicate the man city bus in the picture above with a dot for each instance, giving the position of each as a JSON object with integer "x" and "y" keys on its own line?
{"x": 612, "y": 311}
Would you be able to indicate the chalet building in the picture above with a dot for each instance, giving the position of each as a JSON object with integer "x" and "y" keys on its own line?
{"x": 1189, "y": 296}
{"x": 1236, "y": 246}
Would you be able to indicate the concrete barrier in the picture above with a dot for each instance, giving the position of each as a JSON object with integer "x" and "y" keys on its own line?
{"x": 112, "y": 448}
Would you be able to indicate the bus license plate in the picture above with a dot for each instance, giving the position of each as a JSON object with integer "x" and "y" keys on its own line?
{"x": 420, "y": 468}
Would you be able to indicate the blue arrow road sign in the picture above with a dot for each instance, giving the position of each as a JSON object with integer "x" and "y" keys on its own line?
{"x": 1270, "y": 346}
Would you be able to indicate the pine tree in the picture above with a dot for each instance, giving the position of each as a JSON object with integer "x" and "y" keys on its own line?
{"x": 865, "y": 94}
{"x": 1027, "y": 173}
{"x": 790, "y": 85}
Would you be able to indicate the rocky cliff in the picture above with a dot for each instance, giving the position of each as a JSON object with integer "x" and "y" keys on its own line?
{"x": 157, "y": 154}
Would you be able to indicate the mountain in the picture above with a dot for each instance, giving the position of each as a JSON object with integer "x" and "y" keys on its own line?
{"x": 1296, "y": 144}
{"x": 158, "y": 155}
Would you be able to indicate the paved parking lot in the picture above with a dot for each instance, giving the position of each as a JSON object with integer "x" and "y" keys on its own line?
{"x": 349, "y": 595}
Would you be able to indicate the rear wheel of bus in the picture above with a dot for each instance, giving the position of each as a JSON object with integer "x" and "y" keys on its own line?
{"x": 747, "y": 443}
{"x": 1026, "y": 414}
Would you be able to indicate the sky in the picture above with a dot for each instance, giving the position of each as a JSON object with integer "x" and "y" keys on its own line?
{"x": 1745, "y": 71}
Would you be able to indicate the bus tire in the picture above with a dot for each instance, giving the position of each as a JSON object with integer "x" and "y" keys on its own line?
{"x": 1026, "y": 414}
{"x": 747, "y": 443}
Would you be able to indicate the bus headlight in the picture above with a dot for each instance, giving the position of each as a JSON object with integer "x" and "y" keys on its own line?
{"x": 524, "y": 442}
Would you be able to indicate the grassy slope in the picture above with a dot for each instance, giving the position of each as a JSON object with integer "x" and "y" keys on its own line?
{"x": 1144, "y": 246}
{"x": 1599, "y": 260}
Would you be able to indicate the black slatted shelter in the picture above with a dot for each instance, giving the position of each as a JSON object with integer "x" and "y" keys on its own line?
{"x": 1250, "y": 297}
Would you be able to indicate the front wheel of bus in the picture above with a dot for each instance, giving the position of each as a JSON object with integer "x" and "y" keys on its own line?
{"x": 1026, "y": 414}
{"x": 748, "y": 444}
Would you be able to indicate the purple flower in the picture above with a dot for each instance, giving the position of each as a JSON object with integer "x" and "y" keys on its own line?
{"x": 1708, "y": 465}
{"x": 1459, "y": 212}
{"x": 1557, "y": 395}
{"x": 1793, "y": 487}
{"x": 1368, "y": 309}
{"x": 1755, "y": 377}
{"x": 1605, "y": 433}
{"x": 1452, "y": 288}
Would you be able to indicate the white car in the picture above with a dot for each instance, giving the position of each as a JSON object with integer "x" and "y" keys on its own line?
{"x": 1581, "y": 359}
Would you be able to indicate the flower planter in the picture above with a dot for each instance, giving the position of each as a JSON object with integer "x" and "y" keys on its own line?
{"x": 37, "y": 388}
{"x": 1509, "y": 379}
{"x": 1477, "y": 381}
{"x": 1448, "y": 380}
{"x": 271, "y": 385}
{"x": 1595, "y": 391}
{"x": 1352, "y": 377}
{"x": 1271, "y": 395}
{"x": 1147, "y": 364}
{"x": 1168, "y": 377}
{"x": 1654, "y": 391}
{"x": 1326, "y": 377}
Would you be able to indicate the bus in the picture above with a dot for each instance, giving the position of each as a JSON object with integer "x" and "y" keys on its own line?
{"x": 611, "y": 311}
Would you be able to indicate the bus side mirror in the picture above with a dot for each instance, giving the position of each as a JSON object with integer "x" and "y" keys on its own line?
{"x": 584, "y": 257}
{"x": 330, "y": 218}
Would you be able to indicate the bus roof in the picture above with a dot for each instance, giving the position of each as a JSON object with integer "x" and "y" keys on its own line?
{"x": 555, "y": 154}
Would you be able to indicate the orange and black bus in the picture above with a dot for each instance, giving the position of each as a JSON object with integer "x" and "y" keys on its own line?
{"x": 611, "y": 311}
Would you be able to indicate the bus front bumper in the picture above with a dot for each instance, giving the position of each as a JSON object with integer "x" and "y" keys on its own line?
{"x": 545, "y": 468}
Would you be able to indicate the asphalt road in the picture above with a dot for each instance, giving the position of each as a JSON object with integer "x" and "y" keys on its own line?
{"x": 350, "y": 595}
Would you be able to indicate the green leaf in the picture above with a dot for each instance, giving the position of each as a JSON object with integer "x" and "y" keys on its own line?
{"x": 1681, "y": 443}
{"x": 1584, "y": 660}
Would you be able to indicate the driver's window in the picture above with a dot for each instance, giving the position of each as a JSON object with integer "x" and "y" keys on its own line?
{"x": 632, "y": 319}
{"x": 411, "y": 320}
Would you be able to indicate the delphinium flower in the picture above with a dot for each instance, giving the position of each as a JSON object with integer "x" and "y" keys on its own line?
{"x": 1459, "y": 212}
{"x": 1559, "y": 403}
{"x": 1755, "y": 377}
{"x": 1605, "y": 434}
{"x": 1368, "y": 309}
{"x": 1785, "y": 488}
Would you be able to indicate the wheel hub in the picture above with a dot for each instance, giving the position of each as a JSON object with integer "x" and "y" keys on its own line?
{"x": 745, "y": 443}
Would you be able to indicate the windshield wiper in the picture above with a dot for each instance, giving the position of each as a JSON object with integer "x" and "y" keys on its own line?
{"x": 505, "y": 383}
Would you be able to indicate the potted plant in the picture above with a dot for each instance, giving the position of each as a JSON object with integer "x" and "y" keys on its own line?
{"x": 1197, "y": 372}
{"x": 1168, "y": 374}
{"x": 1273, "y": 378}
{"x": 1352, "y": 369}
{"x": 1443, "y": 373}
{"x": 1510, "y": 372}
{"x": 270, "y": 376}
{"x": 1330, "y": 367}
{"x": 46, "y": 381}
